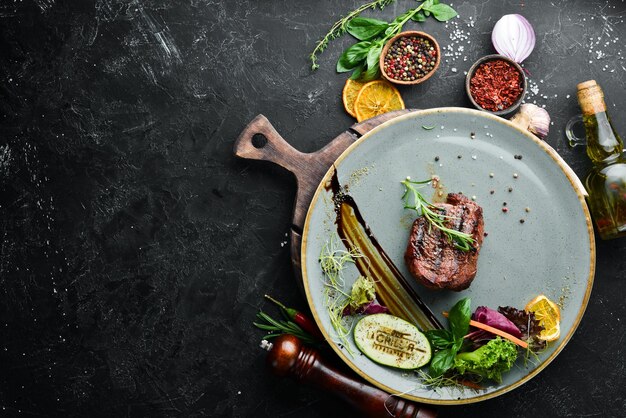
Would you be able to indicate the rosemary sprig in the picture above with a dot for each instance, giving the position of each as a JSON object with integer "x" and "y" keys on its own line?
{"x": 339, "y": 28}
{"x": 278, "y": 327}
{"x": 431, "y": 213}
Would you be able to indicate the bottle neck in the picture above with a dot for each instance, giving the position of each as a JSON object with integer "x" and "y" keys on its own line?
{"x": 603, "y": 143}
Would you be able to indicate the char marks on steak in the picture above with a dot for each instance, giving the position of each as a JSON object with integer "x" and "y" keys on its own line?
{"x": 432, "y": 257}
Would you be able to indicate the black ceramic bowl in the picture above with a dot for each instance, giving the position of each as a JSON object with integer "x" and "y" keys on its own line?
{"x": 513, "y": 107}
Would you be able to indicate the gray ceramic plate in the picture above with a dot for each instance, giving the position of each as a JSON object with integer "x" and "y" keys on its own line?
{"x": 552, "y": 252}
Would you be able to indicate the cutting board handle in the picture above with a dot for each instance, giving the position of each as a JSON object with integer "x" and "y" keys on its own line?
{"x": 260, "y": 141}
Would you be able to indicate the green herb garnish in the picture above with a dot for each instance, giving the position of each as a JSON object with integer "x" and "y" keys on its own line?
{"x": 447, "y": 343}
{"x": 362, "y": 58}
{"x": 447, "y": 380}
{"x": 428, "y": 128}
{"x": 340, "y": 27}
{"x": 333, "y": 260}
{"x": 278, "y": 327}
{"x": 414, "y": 200}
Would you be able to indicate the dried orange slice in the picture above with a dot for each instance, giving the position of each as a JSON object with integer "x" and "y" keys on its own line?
{"x": 375, "y": 98}
{"x": 350, "y": 91}
{"x": 549, "y": 316}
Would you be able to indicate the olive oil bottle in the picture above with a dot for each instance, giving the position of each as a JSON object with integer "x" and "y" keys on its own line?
{"x": 606, "y": 182}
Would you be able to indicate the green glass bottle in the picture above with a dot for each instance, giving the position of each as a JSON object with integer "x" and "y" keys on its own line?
{"x": 606, "y": 182}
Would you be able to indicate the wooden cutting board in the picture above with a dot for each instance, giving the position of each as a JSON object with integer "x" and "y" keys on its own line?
{"x": 260, "y": 141}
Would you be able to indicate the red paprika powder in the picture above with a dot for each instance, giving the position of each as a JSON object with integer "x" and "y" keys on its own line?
{"x": 496, "y": 85}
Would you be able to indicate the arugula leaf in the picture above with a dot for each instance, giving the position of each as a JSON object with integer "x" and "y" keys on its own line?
{"x": 364, "y": 28}
{"x": 439, "y": 338}
{"x": 459, "y": 318}
{"x": 441, "y": 12}
{"x": 441, "y": 362}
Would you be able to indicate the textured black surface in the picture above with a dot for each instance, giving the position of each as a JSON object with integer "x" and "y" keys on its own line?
{"x": 136, "y": 249}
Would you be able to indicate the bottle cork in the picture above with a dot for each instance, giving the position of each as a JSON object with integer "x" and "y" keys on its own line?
{"x": 590, "y": 98}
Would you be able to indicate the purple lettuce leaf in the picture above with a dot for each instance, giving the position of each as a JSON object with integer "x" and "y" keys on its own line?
{"x": 497, "y": 320}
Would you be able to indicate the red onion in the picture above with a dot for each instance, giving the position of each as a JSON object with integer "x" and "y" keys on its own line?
{"x": 513, "y": 37}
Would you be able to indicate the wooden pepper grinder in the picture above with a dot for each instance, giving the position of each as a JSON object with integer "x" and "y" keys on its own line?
{"x": 289, "y": 357}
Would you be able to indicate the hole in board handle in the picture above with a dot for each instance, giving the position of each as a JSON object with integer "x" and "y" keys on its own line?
{"x": 259, "y": 141}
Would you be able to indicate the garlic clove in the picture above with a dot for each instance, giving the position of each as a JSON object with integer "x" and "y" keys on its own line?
{"x": 534, "y": 119}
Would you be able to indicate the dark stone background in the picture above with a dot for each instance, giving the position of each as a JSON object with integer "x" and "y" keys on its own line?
{"x": 136, "y": 249}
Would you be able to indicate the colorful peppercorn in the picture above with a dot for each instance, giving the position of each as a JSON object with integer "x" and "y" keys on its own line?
{"x": 410, "y": 58}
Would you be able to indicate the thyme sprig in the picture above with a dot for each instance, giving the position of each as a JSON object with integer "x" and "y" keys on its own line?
{"x": 340, "y": 27}
{"x": 416, "y": 201}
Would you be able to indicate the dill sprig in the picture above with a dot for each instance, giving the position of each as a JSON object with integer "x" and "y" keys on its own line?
{"x": 339, "y": 28}
{"x": 278, "y": 327}
{"x": 463, "y": 241}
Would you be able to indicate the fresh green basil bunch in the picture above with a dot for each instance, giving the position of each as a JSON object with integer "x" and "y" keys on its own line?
{"x": 362, "y": 58}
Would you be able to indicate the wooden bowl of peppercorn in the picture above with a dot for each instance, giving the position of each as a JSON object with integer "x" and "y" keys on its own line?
{"x": 409, "y": 58}
{"x": 496, "y": 84}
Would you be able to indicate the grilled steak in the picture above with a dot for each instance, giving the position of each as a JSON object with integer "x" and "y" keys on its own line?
{"x": 433, "y": 259}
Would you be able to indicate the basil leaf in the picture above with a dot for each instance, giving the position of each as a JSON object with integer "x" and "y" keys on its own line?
{"x": 442, "y": 12}
{"x": 357, "y": 52}
{"x": 458, "y": 343}
{"x": 358, "y": 71}
{"x": 441, "y": 362}
{"x": 343, "y": 65}
{"x": 373, "y": 56}
{"x": 371, "y": 73}
{"x": 426, "y": 12}
{"x": 353, "y": 56}
{"x": 439, "y": 338}
{"x": 419, "y": 17}
{"x": 459, "y": 318}
{"x": 364, "y": 28}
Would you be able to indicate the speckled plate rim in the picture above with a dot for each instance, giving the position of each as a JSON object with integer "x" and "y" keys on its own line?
{"x": 578, "y": 189}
